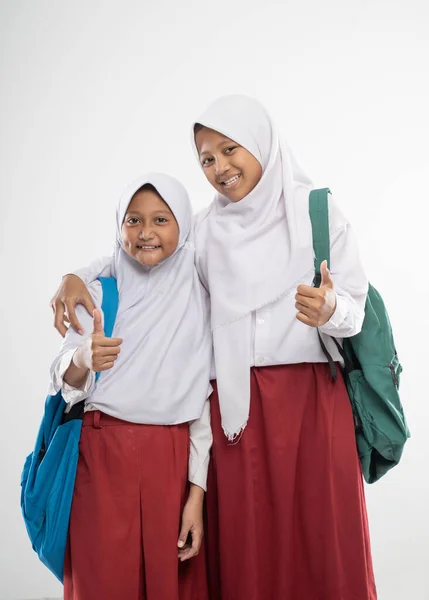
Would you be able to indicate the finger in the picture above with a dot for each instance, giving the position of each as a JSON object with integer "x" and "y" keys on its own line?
{"x": 326, "y": 276}
{"x": 58, "y": 308}
{"x": 183, "y": 536}
{"x": 315, "y": 303}
{"x": 70, "y": 304}
{"x": 304, "y": 300}
{"x": 194, "y": 549}
{"x": 88, "y": 302}
{"x": 106, "y": 359}
{"x": 304, "y": 309}
{"x": 103, "y": 367}
{"x": 107, "y": 342}
{"x": 98, "y": 323}
{"x": 312, "y": 305}
{"x": 189, "y": 553}
{"x": 307, "y": 290}
{"x": 105, "y": 351}
{"x": 305, "y": 319}
{"x": 186, "y": 553}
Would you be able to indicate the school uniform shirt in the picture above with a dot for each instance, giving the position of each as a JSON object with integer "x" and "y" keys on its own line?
{"x": 199, "y": 429}
{"x": 277, "y": 337}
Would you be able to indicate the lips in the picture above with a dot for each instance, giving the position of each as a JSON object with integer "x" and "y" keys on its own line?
{"x": 147, "y": 248}
{"x": 231, "y": 181}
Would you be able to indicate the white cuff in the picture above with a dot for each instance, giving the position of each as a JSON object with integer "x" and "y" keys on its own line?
{"x": 198, "y": 472}
{"x": 70, "y": 394}
{"x": 337, "y": 320}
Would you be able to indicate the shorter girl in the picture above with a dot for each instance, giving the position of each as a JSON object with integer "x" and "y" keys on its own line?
{"x": 147, "y": 417}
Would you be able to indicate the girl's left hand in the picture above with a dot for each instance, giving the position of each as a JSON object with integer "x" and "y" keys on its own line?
{"x": 317, "y": 305}
{"x": 192, "y": 524}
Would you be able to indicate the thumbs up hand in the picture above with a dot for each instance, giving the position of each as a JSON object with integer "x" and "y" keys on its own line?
{"x": 99, "y": 352}
{"x": 316, "y": 305}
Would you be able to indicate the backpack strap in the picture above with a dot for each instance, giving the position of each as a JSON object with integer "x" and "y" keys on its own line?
{"x": 109, "y": 306}
{"x": 319, "y": 216}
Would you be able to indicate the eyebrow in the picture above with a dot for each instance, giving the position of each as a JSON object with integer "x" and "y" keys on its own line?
{"x": 227, "y": 142}
{"x": 155, "y": 212}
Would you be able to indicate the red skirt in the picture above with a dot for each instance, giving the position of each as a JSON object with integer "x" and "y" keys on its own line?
{"x": 131, "y": 486}
{"x": 286, "y": 515}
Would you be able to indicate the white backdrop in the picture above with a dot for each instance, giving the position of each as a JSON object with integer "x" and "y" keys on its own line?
{"x": 94, "y": 93}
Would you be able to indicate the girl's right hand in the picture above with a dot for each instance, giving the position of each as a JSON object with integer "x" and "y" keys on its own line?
{"x": 72, "y": 291}
{"x": 99, "y": 352}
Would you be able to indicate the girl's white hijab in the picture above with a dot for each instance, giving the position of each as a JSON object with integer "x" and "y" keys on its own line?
{"x": 162, "y": 373}
{"x": 258, "y": 249}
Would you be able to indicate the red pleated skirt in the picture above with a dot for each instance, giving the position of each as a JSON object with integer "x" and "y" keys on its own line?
{"x": 286, "y": 515}
{"x": 131, "y": 486}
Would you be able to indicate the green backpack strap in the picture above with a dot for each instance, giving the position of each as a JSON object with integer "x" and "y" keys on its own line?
{"x": 319, "y": 215}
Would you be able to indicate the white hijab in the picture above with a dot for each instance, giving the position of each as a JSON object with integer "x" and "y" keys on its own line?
{"x": 162, "y": 373}
{"x": 258, "y": 249}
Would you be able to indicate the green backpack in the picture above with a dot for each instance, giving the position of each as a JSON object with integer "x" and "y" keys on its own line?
{"x": 371, "y": 367}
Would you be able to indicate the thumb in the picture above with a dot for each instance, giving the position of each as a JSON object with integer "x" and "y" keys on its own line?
{"x": 183, "y": 535}
{"x": 326, "y": 276}
{"x": 98, "y": 323}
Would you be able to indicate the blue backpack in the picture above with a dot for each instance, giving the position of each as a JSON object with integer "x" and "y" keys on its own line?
{"x": 48, "y": 476}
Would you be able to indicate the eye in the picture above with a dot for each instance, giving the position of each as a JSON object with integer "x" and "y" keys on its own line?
{"x": 207, "y": 161}
{"x": 161, "y": 220}
{"x": 230, "y": 149}
{"x": 132, "y": 221}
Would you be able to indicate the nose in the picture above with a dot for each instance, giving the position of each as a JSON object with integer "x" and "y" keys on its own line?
{"x": 222, "y": 165}
{"x": 145, "y": 234}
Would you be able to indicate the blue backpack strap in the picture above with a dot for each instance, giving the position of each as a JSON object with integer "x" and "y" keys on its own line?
{"x": 110, "y": 302}
{"x": 109, "y": 305}
{"x": 319, "y": 215}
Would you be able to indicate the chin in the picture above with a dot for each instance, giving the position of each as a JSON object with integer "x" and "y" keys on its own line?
{"x": 149, "y": 262}
{"x": 235, "y": 197}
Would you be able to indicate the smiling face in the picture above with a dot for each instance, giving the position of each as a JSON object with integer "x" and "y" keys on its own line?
{"x": 231, "y": 169}
{"x": 150, "y": 232}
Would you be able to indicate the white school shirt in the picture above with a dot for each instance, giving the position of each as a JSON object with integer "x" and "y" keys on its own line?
{"x": 278, "y": 338}
{"x": 199, "y": 430}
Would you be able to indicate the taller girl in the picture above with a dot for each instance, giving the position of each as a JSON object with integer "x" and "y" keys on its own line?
{"x": 286, "y": 508}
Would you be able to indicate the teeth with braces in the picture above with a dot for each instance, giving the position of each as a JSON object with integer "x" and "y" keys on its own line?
{"x": 232, "y": 180}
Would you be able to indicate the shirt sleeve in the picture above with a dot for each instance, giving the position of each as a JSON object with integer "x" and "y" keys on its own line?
{"x": 351, "y": 283}
{"x": 200, "y": 232}
{"x": 201, "y": 441}
{"x": 70, "y": 344}
{"x": 100, "y": 267}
